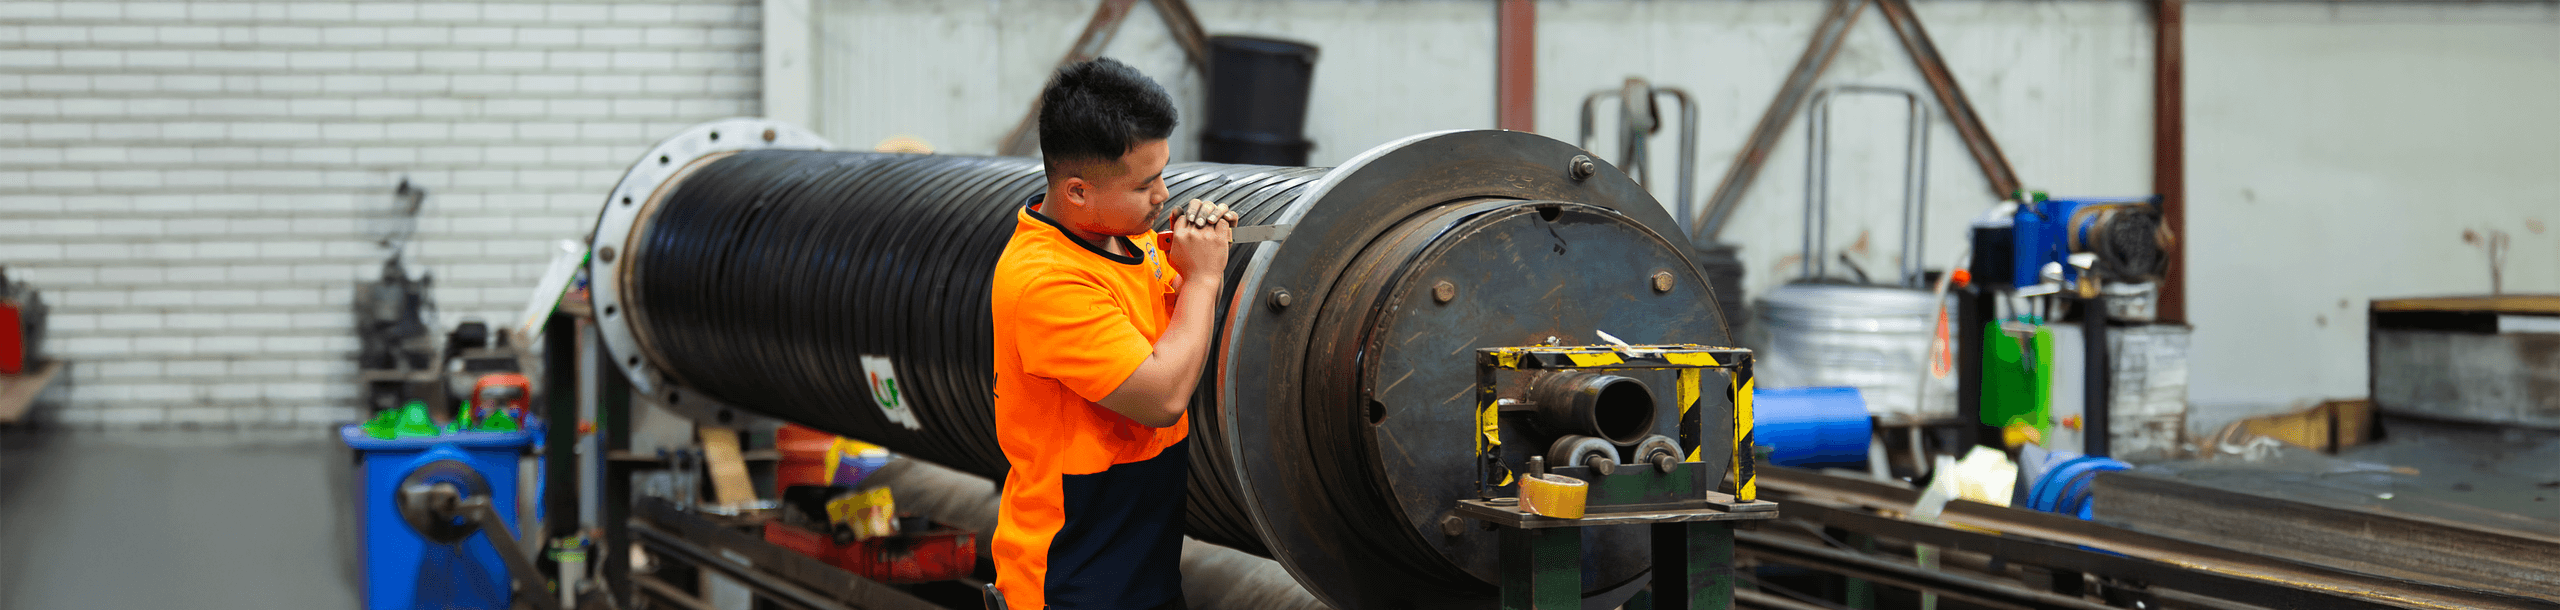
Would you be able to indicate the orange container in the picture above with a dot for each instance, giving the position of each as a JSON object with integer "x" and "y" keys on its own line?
{"x": 517, "y": 407}
{"x": 804, "y": 457}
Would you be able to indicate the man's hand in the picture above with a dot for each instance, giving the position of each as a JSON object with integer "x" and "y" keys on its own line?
{"x": 1201, "y": 233}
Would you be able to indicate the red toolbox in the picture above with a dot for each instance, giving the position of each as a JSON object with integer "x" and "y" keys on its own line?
{"x": 942, "y": 553}
{"x": 13, "y": 340}
{"x": 21, "y": 326}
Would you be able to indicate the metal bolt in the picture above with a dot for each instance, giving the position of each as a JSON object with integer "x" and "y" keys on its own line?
{"x": 1666, "y": 462}
{"x": 1661, "y": 281}
{"x": 1279, "y": 298}
{"x": 1452, "y": 525}
{"x": 1583, "y": 167}
{"x": 605, "y": 254}
{"x": 768, "y": 135}
{"x": 1604, "y": 466}
{"x": 1444, "y": 291}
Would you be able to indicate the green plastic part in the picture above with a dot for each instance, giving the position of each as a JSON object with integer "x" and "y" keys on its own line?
{"x": 499, "y": 421}
{"x": 2017, "y": 379}
{"x": 383, "y": 425}
{"x": 413, "y": 420}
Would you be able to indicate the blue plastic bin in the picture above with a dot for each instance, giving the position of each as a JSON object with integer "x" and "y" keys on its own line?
{"x": 404, "y": 571}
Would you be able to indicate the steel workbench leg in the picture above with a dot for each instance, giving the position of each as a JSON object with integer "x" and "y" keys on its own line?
{"x": 1861, "y": 593}
{"x": 560, "y": 448}
{"x": 1693, "y": 566}
{"x": 1542, "y": 568}
{"x": 613, "y": 511}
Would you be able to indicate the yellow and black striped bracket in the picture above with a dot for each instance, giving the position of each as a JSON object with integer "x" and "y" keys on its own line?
{"x": 1745, "y": 487}
{"x": 1689, "y": 360}
{"x": 1490, "y": 472}
{"x": 1610, "y": 357}
{"x": 1688, "y": 394}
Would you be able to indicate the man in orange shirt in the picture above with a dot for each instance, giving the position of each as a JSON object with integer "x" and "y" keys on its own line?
{"x": 1098, "y": 345}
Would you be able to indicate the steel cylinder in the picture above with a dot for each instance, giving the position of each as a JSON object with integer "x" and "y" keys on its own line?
{"x": 1612, "y": 407}
{"x": 1874, "y": 338}
{"x": 740, "y": 266}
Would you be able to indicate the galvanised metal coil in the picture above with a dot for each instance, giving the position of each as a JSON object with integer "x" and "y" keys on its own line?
{"x": 741, "y": 266}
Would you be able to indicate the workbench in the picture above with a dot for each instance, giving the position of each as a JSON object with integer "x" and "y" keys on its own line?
{"x": 18, "y": 392}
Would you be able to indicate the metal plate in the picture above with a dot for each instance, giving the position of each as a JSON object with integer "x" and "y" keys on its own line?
{"x": 1518, "y": 278}
{"x": 1260, "y": 371}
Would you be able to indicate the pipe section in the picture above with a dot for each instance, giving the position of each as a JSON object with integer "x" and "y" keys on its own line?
{"x": 739, "y": 266}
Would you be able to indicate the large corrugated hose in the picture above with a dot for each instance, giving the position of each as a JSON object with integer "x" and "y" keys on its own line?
{"x": 805, "y": 260}
{"x": 1334, "y": 428}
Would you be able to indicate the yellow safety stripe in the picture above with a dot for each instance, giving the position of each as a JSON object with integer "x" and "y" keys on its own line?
{"x": 1691, "y": 359}
{"x": 1598, "y": 359}
{"x": 1747, "y": 487}
{"x": 1687, "y": 393}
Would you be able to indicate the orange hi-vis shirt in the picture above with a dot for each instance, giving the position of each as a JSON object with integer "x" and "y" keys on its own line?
{"x": 1092, "y": 512}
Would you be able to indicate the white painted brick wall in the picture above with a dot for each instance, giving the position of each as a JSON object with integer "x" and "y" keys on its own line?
{"x": 196, "y": 186}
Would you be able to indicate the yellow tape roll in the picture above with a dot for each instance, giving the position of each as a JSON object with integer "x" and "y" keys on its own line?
{"x": 1553, "y": 495}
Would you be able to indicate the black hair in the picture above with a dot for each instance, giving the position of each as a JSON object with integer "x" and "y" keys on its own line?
{"x": 1097, "y": 110}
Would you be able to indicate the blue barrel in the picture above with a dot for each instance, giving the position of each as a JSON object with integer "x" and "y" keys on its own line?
{"x": 1812, "y": 427}
{"x": 403, "y": 570}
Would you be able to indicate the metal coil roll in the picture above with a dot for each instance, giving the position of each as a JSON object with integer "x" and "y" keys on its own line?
{"x": 1333, "y": 428}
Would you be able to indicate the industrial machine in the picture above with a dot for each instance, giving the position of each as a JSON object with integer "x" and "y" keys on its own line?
{"x": 740, "y": 268}
{"x": 1416, "y": 352}
{"x": 2028, "y": 257}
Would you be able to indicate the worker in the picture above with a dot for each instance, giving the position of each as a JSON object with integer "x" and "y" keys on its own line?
{"x": 1100, "y": 332}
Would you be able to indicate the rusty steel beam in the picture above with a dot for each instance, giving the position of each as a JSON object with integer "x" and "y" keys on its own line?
{"x": 2169, "y": 149}
{"x": 1933, "y": 68}
{"x": 1515, "y": 79}
{"x": 2470, "y": 547}
{"x": 2067, "y": 543}
{"x": 1827, "y": 37}
{"x": 1898, "y": 572}
{"x": 1097, "y": 34}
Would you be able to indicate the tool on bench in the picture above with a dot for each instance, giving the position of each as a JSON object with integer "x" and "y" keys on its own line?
{"x": 1247, "y": 235}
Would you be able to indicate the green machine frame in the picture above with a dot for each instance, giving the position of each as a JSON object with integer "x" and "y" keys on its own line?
{"x": 1691, "y": 520}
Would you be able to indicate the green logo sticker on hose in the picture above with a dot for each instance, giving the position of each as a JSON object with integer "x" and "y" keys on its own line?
{"x": 882, "y": 377}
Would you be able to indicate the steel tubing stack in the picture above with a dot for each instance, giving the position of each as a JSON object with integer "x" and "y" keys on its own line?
{"x": 741, "y": 266}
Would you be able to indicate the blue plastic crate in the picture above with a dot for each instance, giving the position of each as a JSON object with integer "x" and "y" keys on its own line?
{"x": 404, "y": 571}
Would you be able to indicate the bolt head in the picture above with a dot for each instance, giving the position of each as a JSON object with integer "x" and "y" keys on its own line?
{"x": 1583, "y": 167}
{"x": 604, "y": 254}
{"x": 1661, "y": 281}
{"x": 1444, "y": 291}
{"x": 768, "y": 135}
{"x": 1280, "y": 298}
{"x": 1452, "y": 525}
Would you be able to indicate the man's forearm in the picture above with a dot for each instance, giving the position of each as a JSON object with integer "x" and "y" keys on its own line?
{"x": 1187, "y": 337}
{"x": 1158, "y": 392}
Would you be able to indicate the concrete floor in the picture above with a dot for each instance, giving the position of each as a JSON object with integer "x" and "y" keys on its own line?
{"x": 177, "y": 519}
